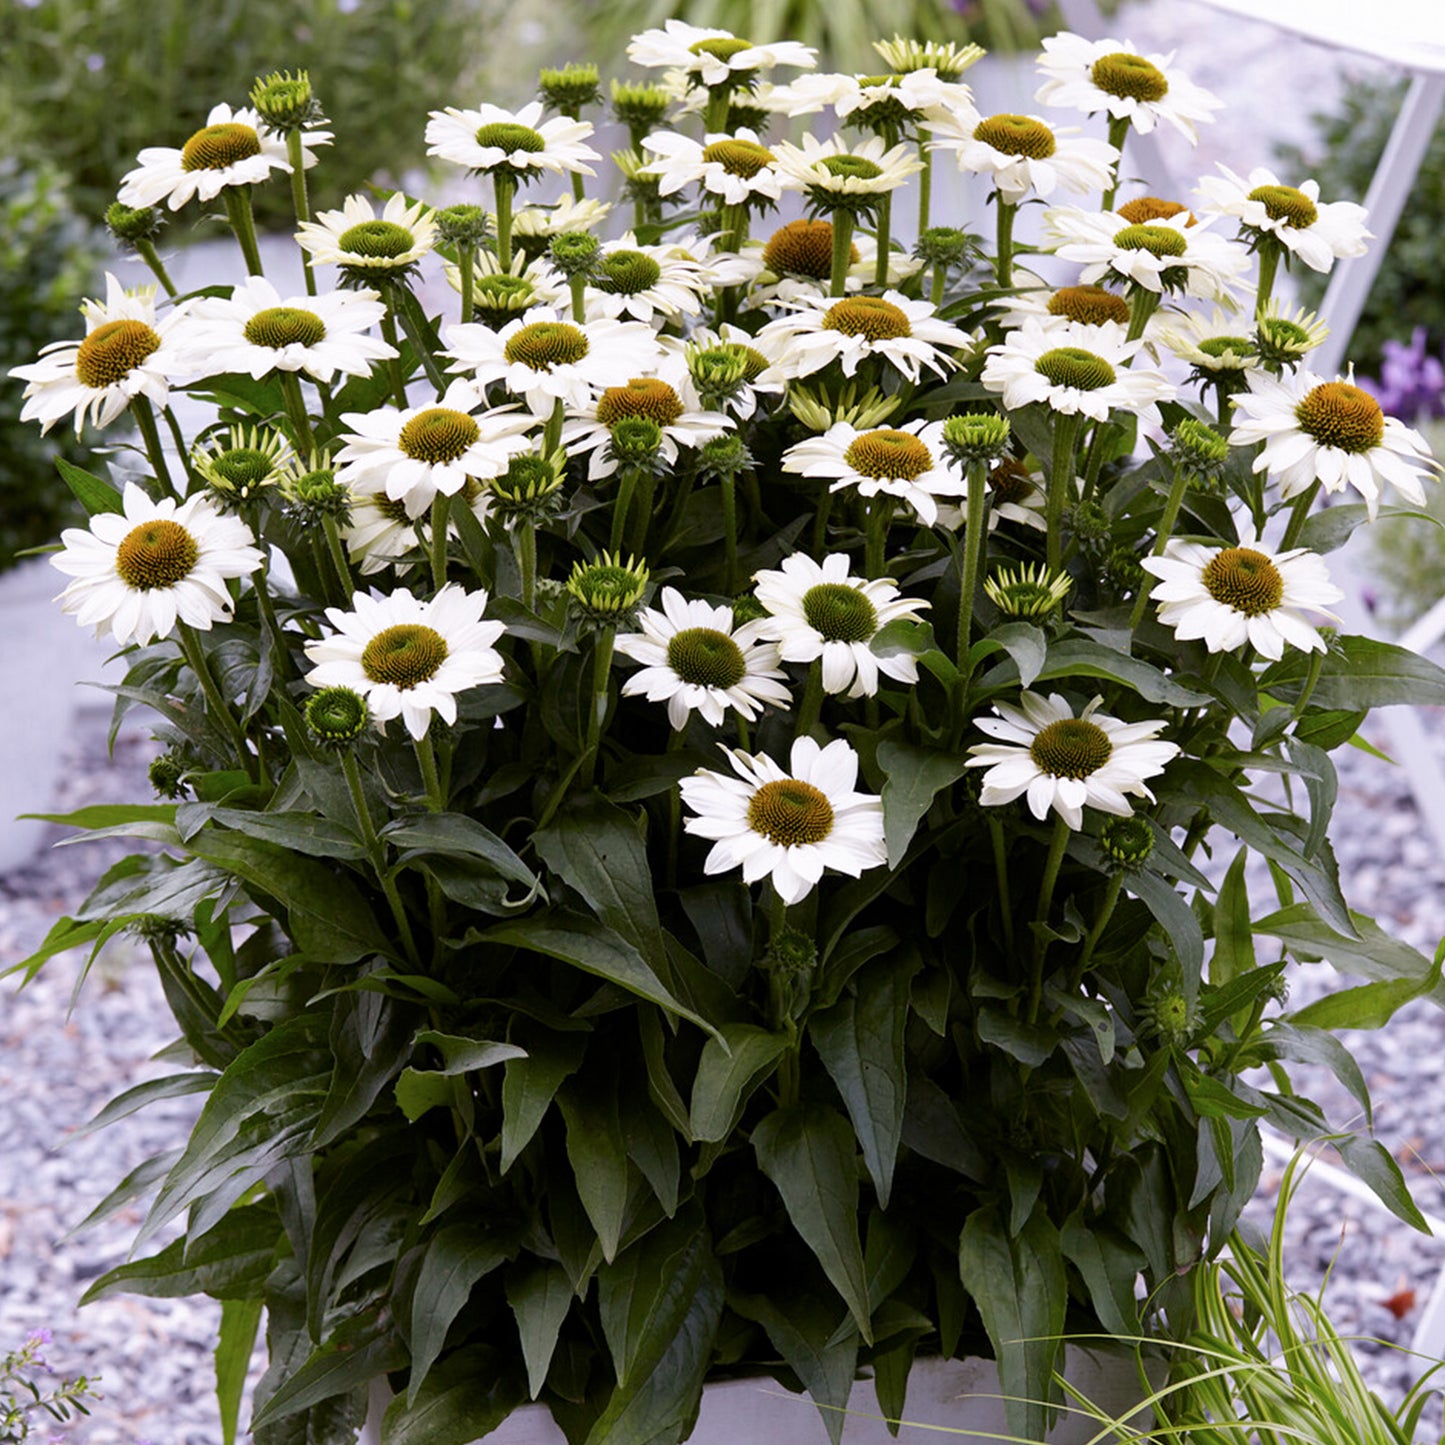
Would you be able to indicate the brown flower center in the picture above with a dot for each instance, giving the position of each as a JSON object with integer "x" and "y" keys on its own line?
{"x": 438, "y": 435}
{"x": 803, "y": 248}
{"x": 1337, "y": 414}
{"x": 1285, "y": 203}
{"x": 1245, "y": 580}
{"x": 869, "y": 316}
{"x": 1009, "y": 481}
{"x": 545, "y": 344}
{"x": 1072, "y": 747}
{"x": 1129, "y": 76}
{"x": 218, "y": 146}
{"x": 158, "y": 553}
{"x": 790, "y": 813}
{"x": 405, "y": 655}
{"x": 1143, "y": 209}
{"x": 889, "y": 455}
{"x": 1016, "y": 135}
{"x": 741, "y": 158}
{"x": 112, "y": 351}
{"x": 642, "y": 396}
{"x": 1091, "y": 305}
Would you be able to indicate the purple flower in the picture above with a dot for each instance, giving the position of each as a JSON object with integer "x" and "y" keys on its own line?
{"x": 1411, "y": 385}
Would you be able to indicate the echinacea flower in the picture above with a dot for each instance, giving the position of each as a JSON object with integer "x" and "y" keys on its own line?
{"x": 695, "y": 660}
{"x": 737, "y": 168}
{"x": 837, "y": 176}
{"x": 1112, "y": 76}
{"x": 364, "y": 243}
{"x": 646, "y": 283}
{"x": 1316, "y": 231}
{"x": 1064, "y": 762}
{"x": 709, "y": 57}
{"x": 233, "y": 148}
{"x": 137, "y": 572}
{"x": 1023, "y": 154}
{"x": 787, "y": 825}
{"x": 1332, "y": 432}
{"x": 520, "y": 143}
{"x": 407, "y": 657}
{"x": 821, "y": 611}
{"x": 1227, "y": 596}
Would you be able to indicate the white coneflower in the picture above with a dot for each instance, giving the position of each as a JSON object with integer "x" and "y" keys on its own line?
{"x": 646, "y": 283}
{"x": 1227, "y": 596}
{"x": 1023, "y": 154}
{"x": 837, "y": 175}
{"x": 360, "y": 241}
{"x": 520, "y": 143}
{"x": 1064, "y": 762}
{"x": 821, "y": 611}
{"x": 787, "y": 825}
{"x": 407, "y": 657}
{"x": 709, "y": 57}
{"x": 137, "y": 572}
{"x": 736, "y": 168}
{"x": 695, "y": 660}
{"x": 1314, "y": 230}
{"x": 1332, "y": 432}
{"x": 898, "y": 99}
{"x": 1218, "y": 343}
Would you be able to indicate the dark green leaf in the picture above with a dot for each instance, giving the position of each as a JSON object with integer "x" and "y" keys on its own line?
{"x": 529, "y": 1084}
{"x": 354, "y": 1354}
{"x": 540, "y": 1296}
{"x": 453, "y": 835}
{"x": 371, "y": 1041}
{"x": 1079, "y": 658}
{"x": 914, "y": 777}
{"x": 96, "y": 496}
{"x": 1373, "y": 954}
{"x": 1110, "y": 1266}
{"x": 598, "y": 1154}
{"x": 1370, "y": 1161}
{"x": 1233, "y": 934}
{"x": 173, "y": 1086}
{"x": 466, "y": 1397}
{"x": 235, "y": 1343}
{"x": 733, "y": 1064}
{"x": 1359, "y": 673}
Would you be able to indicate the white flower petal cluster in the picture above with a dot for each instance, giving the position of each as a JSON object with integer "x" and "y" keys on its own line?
{"x": 1024, "y": 154}
{"x": 1331, "y": 432}
{"x": 137, "y": 572}
{"x": 738, "y": 168}
{"x": 358, "y": 238}
{"x": 915, "y": 93}
{"x": 520, "y": 142}
{"x": 1219, "y": 342}
{"x": 1229, "y": 596}
{"x": 1113, "y": 76}
{"x": 127, "y": 351}
{"x": 787, "y": 825}
{"x": 412, "y": 455}
{"x": 1316, "y": 231}
{"x": 655, "y": 284}
{"x": 835, "y": 171}
{"x": 694, "y": 659}
{"x": 1075, "y": 369}
{"x": 407, "y": 657}
{"x": 821, "y": 611}
{"x": 257, "y": 331}
{"x": 696, "y": 52}
{"x": 1064, "y": 762}
{"x": 233, "y": 148}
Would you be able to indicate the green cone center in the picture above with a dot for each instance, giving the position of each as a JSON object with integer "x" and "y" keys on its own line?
{"x": 405, "y": 656}
{"x": 158, "y": 553}
{"x": 1091, "y": 305}
{"x": 706, "y": 657}
{"x": 790, "y": 813}
{"x": 1244, "y": 580}
{"x": 1337, "y": 414}
{"x": 1074, "y": 367}
{"x": 869, "y": 316}
{"x": 377, "y": 240}
{"x": 851, "y": 168}
{"x": 279, "y": 326}
{"x": 438, "y": 435}
{"x": 1072, "y": 747}
{"x": 336, "y": 714}
{"x": 1016, "y": 135}
{"x": 545, "y": 344}
{"x": 1157, "y": 240}
{"x": 605, "y": 587}
{"x": 1129, "y": 76}
{"x": 1220, "y": 347}
{"x": 243, "y": 467}
{"x": 1285, "y": 203}
{"x": 839, "y": 613}
{"x": 218, "y": 146}
{"x": 508, "y": 136}
{"x": 738, "y": 157}
{"x": 112, "y": 351}
{"x": 643, "y": 396}
{"x": 721, "y": 47}
{"x": 625, "y": 273}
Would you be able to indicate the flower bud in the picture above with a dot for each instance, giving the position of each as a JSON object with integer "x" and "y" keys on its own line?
{"x": 976, "y": 437}
{"x": 569, "y": 88}
{"x": 336, "y": 717}
{"x": 130, "y": 225}
{"x": 608, "y": 589}
{"x": 574, "y": 253}
{"x": 462, "y": 226}
{"x": 285, "y": 102}
{"x": 1126, "y": 842}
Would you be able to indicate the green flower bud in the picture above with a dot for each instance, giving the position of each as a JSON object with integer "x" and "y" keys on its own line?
{"x": 945, "y": 246}
{"x": 976, "y": 437}
{"x": 131, "y": 224}
{"x": 167, "y": 775}
{"x": 530, "y": 487}
{"x": 1091, "y": 528}
{"x": 315, "y": 494}
{"x": 336, "y": 717}
{"x": 1199, "y": 449}
{"x": 636, "y": 441}
{"x": 609, "y": 589}
{"x": 569, "y": 88}
{"x": 1122, "y": 570}
{"x": 574, "y": 253}
{"x": 462, "y": 226}
{"x": 639, "y": 106}
{"x": 1028, "y": 591}
{"x": 722, "y": 458}
{"x": 1126, "y": 842}
{"x": 285, "y": 102}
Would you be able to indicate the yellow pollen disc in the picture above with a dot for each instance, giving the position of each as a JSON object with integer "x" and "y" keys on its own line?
{"x": 1072, "y": 366}
{"x": 1245, "y": 580}
{"x": 803, "y": 248}
{"x": 738, "y": 157}
{"x": 219, "y": 146}
{"x": 705, "y": 657}
{"x": 404, "y": 655}
{"x": 1157, "y": 240}
{"x": 438, "y": 435}
{"x": 1337, "y": 414}
{"x": 625, "y": 273}
{"x": 112, "y": 351}
{"x": 1090, "y": 304}
{"x": 1009, "y": 481}
{"x": 280, "y": 326}
{"x": 1143, "y": 209}
{"x": 869, "y": 316}
{"x": 790, "y": 813}
{"x": 1073, "y": 747}
{"x": 642, "y": 396}
{"x": 1129, "y": 76}
{"x": 889, "y": 455}
{"x": 1016, "y": 135}
{"x": 545, "y": 344}
{"x": 158, "y": 553}
{"x": 1285, "y": 203}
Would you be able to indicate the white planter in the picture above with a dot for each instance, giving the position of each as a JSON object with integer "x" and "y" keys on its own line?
{"x": 943, "y": 1395}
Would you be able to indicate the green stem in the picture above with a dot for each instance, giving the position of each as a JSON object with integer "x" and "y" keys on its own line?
{"x": 1000, "y": 873}
{"x": 243, "y": 223}
{"x": 735, "y": 226}
{"x": 577, "y": 283}
{"x": 1316, "y": 664}
{"x": 1101, "y": 921}
{"x": 1057, "y": 844}
{"x": 440, "y": 507}
{"x": 1061, "y": 484}
{"x": 579, "y": 190}
{"x": 601, "y": 698}
{"x": 821, "y": 512}
{"x": 975, "y": 533}
{"x": 1004, "y": 260}
{"x": 216, "y": 704}
{"x": 180, "y": 444}
{"x": 1094, "y": 460}
{"x": 940, "y": 283}
{"x": 466, "y": 263}
{"x": 393, "y": 364}
{"x": 526, "y": 540}
{"x": 552, "y": 435}
{"x": 719, "y": 102}
{"x": 299, "y": 199}
{"x": 1297, "y": 517}
{"x": 147, "y": 252}
{"x": 1142, "y": 305}
{"x": 812, "y": 703}
{"x": 504, "y": 186}
{"x": 1269, "y": 250}
{"x": 427, "y": 760}
{"x": 337, "y": 553}
{"x": 642, "y": 514}
{"x": 1162, "y": 534}
{"x": 297, "y": 414}
{"x": 145, "y": 420}
{"x": 885, "y": 240}
{"x": 842, "y": 222}
{"x": 880, "y": 516}
{"x": 377, "y": 852}
{"x": 925, "y": 182}
{"x": 1118, "y": 134}
{"x": 621, "y": 505}
{"x": 729, "y": 489}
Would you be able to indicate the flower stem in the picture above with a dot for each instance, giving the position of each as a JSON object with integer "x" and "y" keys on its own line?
{"x": 1000, "y": 873}
{"x": 1142, "y": 305}
{"x": 337, "y": 554}
{"x": 1101, "y": 921}
{"x": 1162, "y": 534}
{"x": 1061, "y": 484}
{"x": 377, "y": 852}
{"x": 940, "y": 283}
{"x": 243, "y": 223}
{"x": 578, "y": 285}
{"x": 147, "y": 252}
{"x": 642, "y": 516}
{"x": 1057, "y": 844}
{"x": 296, "y": 413}
{"x": 427, "y": 760}
{"x": 466, "y": 262}
{"x": 621, "y": 505}
{"x": 925, "y": 182}
{"x": 875, "y": 537}
{"x": 812, "y": 703}
{"x": 976, "y": 530}
{"x": 719, "y": 102}
{"x": 216, "y": 704}
{"x": 842, "y": 252}
{"x": 552, "y": 434}
{"x": 145, "y": 420}
{"x": 393, "y": 364}
{"x": 440, "y": 506}
{"x": 526, "y": 542}
{"x": 504, "y": 185}
{"x": 601, "y": 698}
{"x": 729, "y": 488}
{"x": 1298, "y": 516}
{"x": 1118, "y": 134}
{"x": 885, "y": 240}
{"x": 298, "y": 198}
{"x": 1004, "y": 259}
{"x": 1269, "y": 250}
